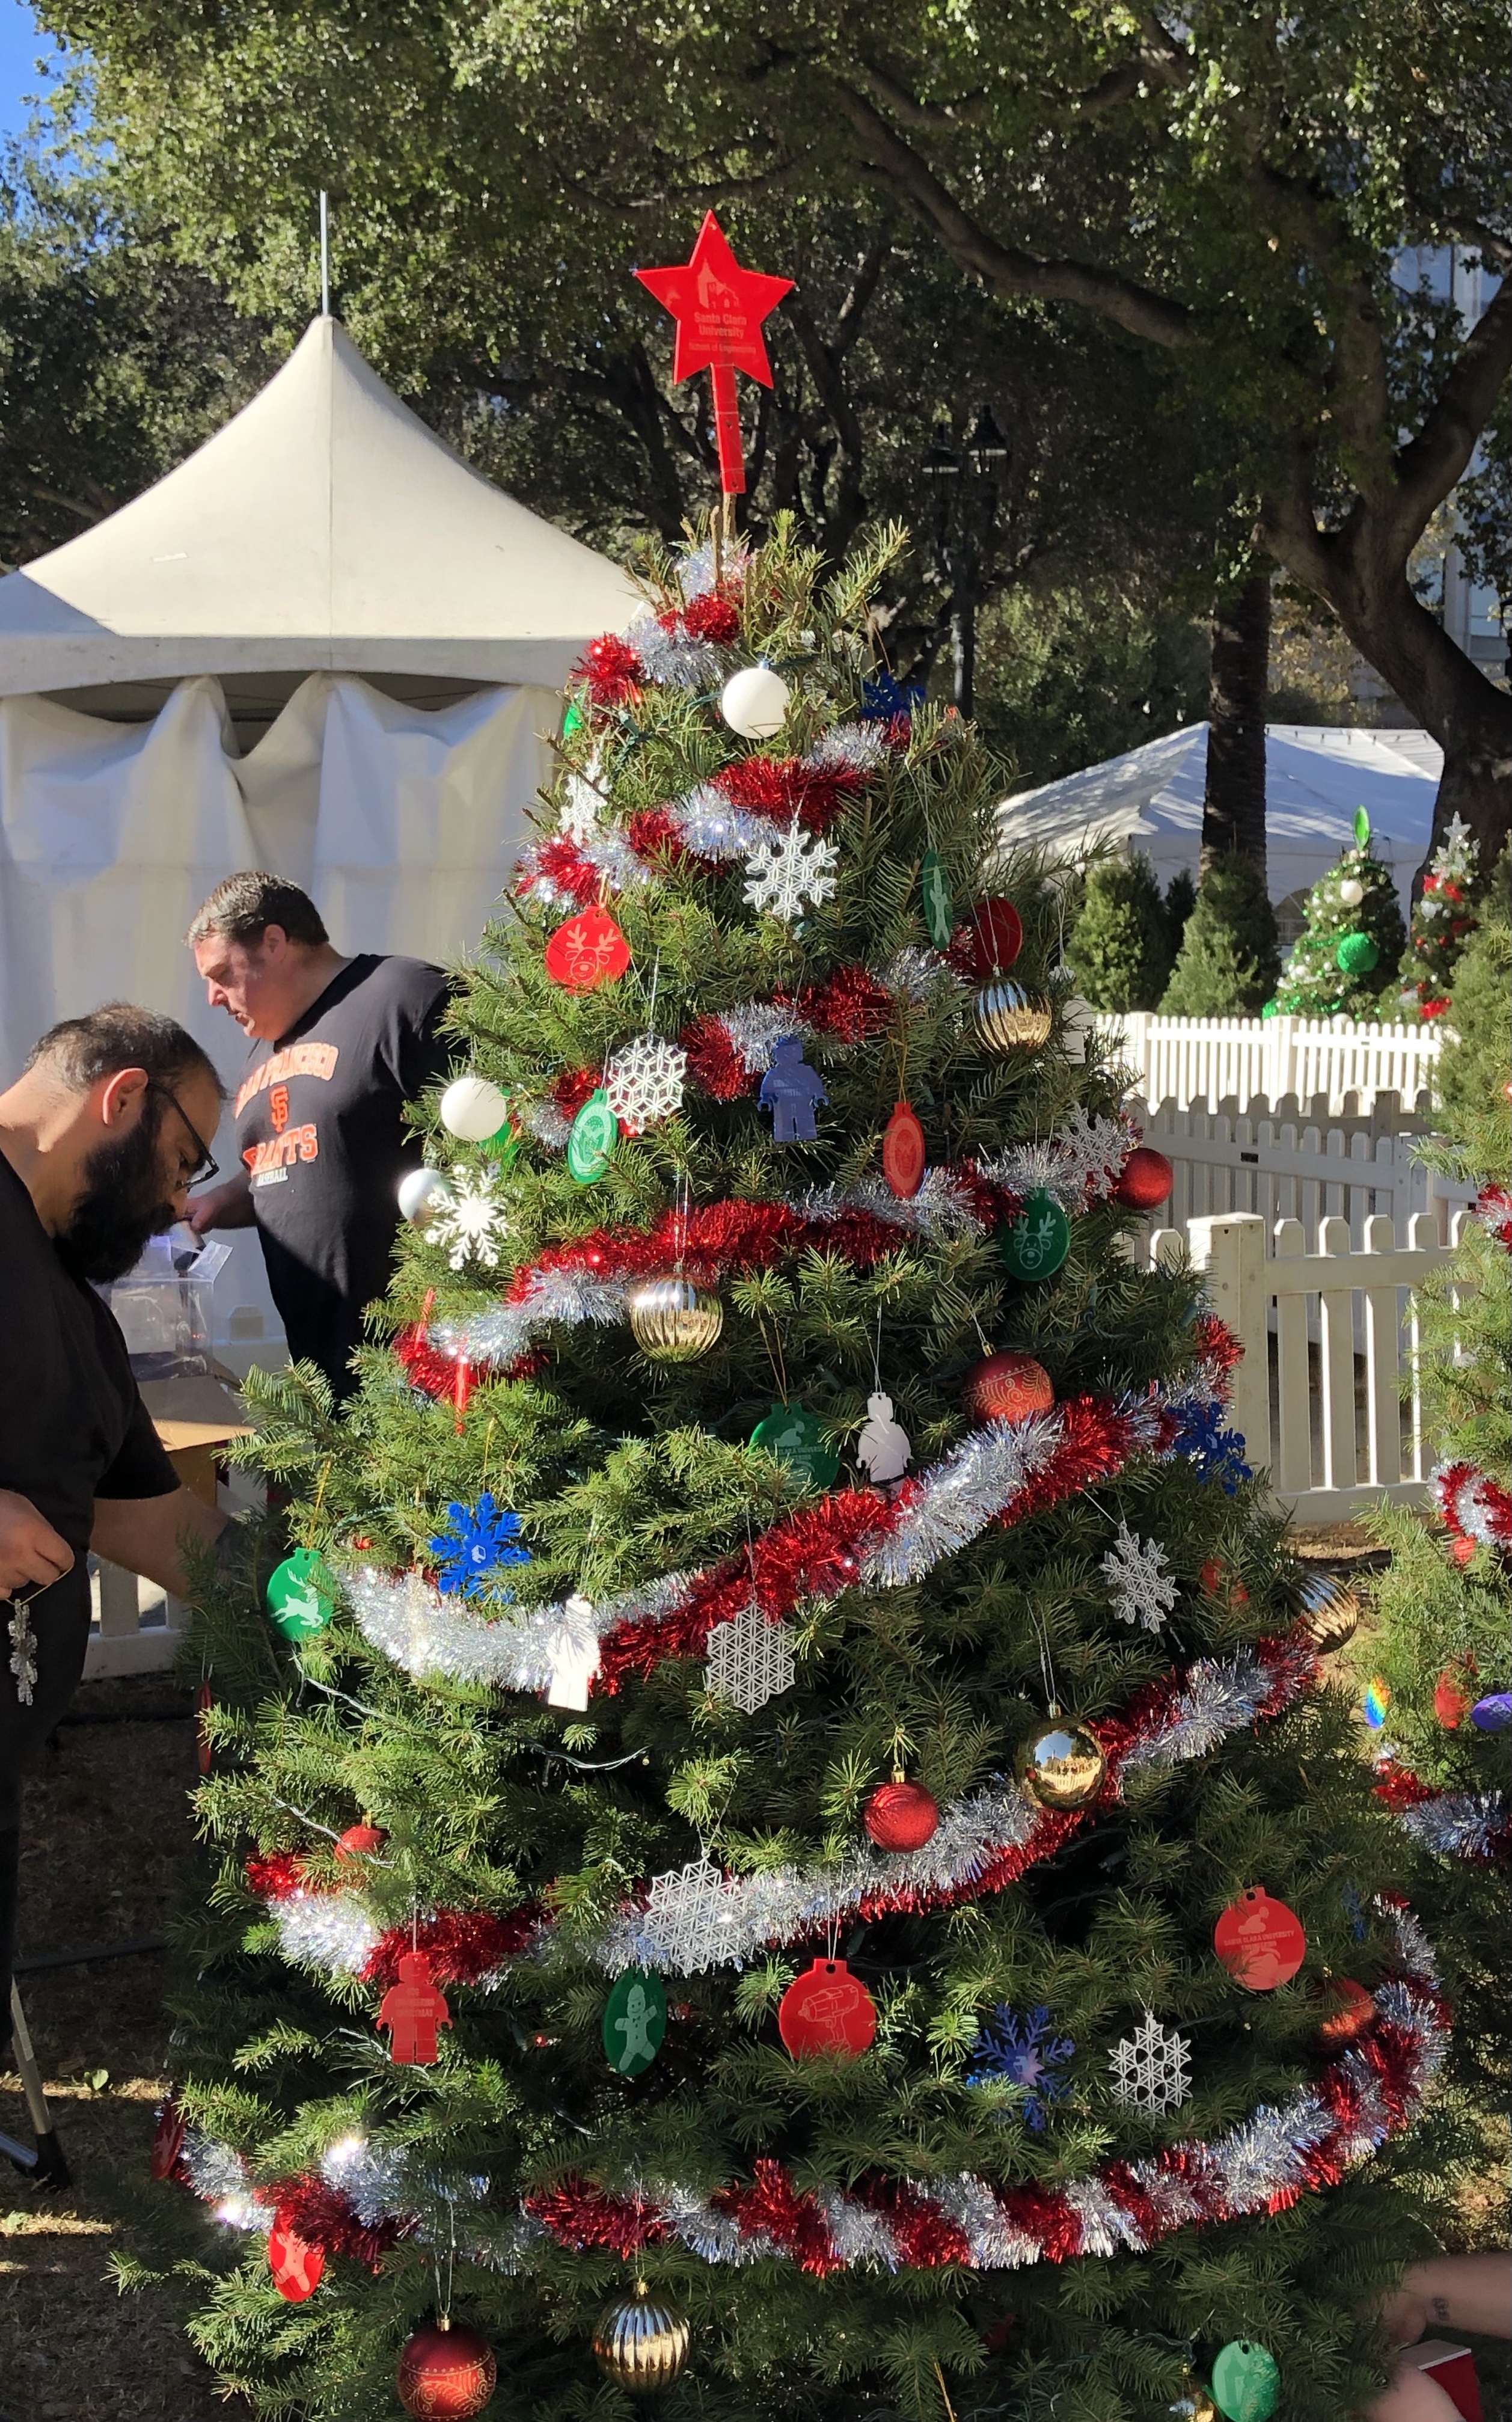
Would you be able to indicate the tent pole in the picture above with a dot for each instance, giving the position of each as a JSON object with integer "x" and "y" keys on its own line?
{"x": 325, "y": 256}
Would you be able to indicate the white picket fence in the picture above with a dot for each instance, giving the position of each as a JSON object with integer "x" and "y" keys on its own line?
{"x": 1216, "y": 1059}
{"x": 1299, "y": 1160}
{"x": 1329, "y": 1337}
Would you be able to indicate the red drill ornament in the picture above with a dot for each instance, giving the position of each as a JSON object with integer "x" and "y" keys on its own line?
{"x": 720, "y": 307}
{"x": 1145, "y": 1180}
{"x": 902, "y": 1816}
{"x": 446, "y": 2373}
{"x": 826, "y": 2010}
{"x": 1008, "y": 1388}
{"x": 413, "y": 2011}
{"x": 296, "y": 2266}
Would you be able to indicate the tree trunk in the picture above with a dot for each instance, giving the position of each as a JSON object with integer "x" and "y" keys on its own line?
{"x": 1233, "y": 795}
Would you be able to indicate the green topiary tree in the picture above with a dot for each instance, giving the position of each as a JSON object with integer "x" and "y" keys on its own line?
{"x": 784, "y": 1642}
{"x": 1119, "y": 947}
{"x": 1176, "y": 907}
{"x": 1226, "y": 964}
{"x": 1344, "y": 962}
{"x": 1474, "y": 1030}
{"x": 1443, "y": 920}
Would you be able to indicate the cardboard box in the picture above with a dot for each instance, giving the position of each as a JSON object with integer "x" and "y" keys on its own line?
{"x": 1453, "y": 2368}
{"x": 196, "y": 1419}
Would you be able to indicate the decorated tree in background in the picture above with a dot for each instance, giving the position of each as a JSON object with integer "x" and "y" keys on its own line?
{"x": 782, "y": 1839}
{"x": 1344, "y": 962}
{"x": 1442, "y": 922}
{"x": 1120, "y": 945}
{"x": 1473, "y": 1036}
{"x": 1225, "y": 966}
{"x": 1434, "y": 1669}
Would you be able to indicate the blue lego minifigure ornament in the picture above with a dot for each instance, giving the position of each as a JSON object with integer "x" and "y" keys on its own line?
{"x": 792, "y": 1091}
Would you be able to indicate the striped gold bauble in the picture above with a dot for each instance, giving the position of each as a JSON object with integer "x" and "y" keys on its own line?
{"x": 1331, "y": 1611}
{"x": 673, "y": 1320}
{"x": 642, "y": 2344}
{"x": 1008, "y": 1018}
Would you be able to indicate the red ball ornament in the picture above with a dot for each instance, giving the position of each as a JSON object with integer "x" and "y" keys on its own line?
{"x": 1451, "y": 1702}
{"x": 588, "y": 949}
{"x": 1351, "y": 2010}
{"x": 902, "y": 1816}
{"x": 904, "y": 1153}
{"x": 1145, "y": 1180}
{"x": 826, "y": 2010}
{"x": 1260, "y": 1941}
{"x": 358, "y": 1842}
{"x": 990, "y": 940}
{"x": 296, "y": 2266}
{"x": 1008, "y": 1388}
{"x": 445, "y": 2373}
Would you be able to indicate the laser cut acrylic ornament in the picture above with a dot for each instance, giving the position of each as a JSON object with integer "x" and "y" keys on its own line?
{"x": 904, "y": 1153}
{"x": 1139, "y": 1582}
{"x": 645, "y": 1082}
{"x": 794, "y": 1438}
{"x": 1035, "y": 1244}
{"x": 634, "y": 2020}
{"x": 789, "y": 872}
{"x": 935, "y": 892}
{"x": 296, "y": 2266}
{"x": 883, "y": 1449}
{"x": 684, "y": 1911}
{"x": 411, "y": 2012}
{"x": 749, "y": 1660}
{"x": 1150, "y": 2069}
{"x": 588, "y": 951}
{"x": 591, "y": 1138}
{"x": 1260, "y": 1941}
{"x": 791, "y": 1090}
{"x": 826, "y": 2009}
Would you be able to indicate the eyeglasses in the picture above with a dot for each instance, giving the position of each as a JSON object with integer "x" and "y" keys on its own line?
{"x": 206, "y": 1165}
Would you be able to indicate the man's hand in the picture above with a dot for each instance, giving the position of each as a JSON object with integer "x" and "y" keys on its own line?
{"x": 31, "y": 1551}
{"x": 145, "y": 1534}
{"x": 222, "y": 1207}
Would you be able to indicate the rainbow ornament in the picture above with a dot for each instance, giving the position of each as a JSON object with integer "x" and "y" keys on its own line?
{"x": 1378, "y": 1699}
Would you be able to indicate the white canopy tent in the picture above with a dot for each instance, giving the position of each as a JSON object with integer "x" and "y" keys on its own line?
{"x": 1150, "y": 800}
{"x": 324, "y": 644}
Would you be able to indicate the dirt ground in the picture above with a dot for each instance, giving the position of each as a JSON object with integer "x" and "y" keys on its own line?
{"x": 106, "y": 1827}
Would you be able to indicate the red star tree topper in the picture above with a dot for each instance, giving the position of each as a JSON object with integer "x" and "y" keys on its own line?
{"x": 720, "y": 307}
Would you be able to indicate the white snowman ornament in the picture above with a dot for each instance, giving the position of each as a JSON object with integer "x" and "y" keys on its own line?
{"x": 883, "y": 1449}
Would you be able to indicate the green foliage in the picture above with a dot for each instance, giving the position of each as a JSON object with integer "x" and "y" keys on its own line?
{"x": 1226, "y": 964}
{"x": 1073, "y": 673}
{"x": 625, "y": 1469}
{"x": 1120, "y": 945}
{"x": 1320, "y": 978}
{"x": 1443, "y": 919}
{"x": 1472, "y": 1073}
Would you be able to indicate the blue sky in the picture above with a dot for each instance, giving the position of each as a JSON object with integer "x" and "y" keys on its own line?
{"x": 21, "y": 45}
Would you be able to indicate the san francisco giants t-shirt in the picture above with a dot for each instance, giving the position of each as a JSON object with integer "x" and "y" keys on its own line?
{"x": 320, "y": 1125}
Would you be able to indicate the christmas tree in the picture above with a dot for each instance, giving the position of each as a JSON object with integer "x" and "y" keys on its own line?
{"x": 1120, "y": 945}
{"x": 1434, "y": 1668}
{"x": 1442, "y": 922}
{"x": 782, "y": 1839}
{"x": 1344, "y": 962}
{"x": 1225, "y": 961}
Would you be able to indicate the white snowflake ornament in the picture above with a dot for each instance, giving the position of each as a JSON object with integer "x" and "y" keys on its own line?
{"x": 789, "y": 872}
{"x": 1138, "y": 1581}
{"x": 23, "y": 1651}
{"x": 645, "y": 1081}
{"x": 750, "y": 1660}
{"x": 469, "y": 1224}
{"x": 687, "y": 1918}
{"x": 580, "y": 806}
{"x": 1150, "y": 2068}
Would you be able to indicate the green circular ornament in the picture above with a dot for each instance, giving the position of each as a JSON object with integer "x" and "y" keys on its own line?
{"x": 591, "y": 1142}
{"x": 792, "y": 1435}
{"x": 300, "y": 1594}
{"x": 1355, "y": 954}
{"x": 1246, "y": 2381}
{"x": 939, "y": 909}
{"x": 572, "y": 720}
{"x": 634, "y": 2020}
{"x": 1035, "y": 1244}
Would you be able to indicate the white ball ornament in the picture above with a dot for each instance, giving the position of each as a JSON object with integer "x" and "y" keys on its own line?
{"x": 473, "y": 1109}
{"x": 755, "y": 702}
{"x": 1351, "y": 891}
{"x": 421, "y": 1194}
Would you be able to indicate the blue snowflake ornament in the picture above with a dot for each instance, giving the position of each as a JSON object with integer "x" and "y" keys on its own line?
{"x": 883, "y": 696}
{"x": 1027, "y": 2055}
{"x": 1216, "y": 1453}
{"x": 478, "y": 1539}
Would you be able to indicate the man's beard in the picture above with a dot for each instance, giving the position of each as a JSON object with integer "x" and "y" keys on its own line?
{"x": 121, "y": 1206}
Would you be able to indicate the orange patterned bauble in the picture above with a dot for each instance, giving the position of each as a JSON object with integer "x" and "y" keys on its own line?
{"x": 1008, "y": 1388}
{"x": 445, "y": 2373}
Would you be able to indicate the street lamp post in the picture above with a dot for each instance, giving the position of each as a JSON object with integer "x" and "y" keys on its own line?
{"x": 966, "y": 514}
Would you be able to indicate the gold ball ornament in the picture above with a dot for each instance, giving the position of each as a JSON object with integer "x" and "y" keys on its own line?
{"x": 673, "y": 1320}
{"x": 1008, "y": 1018}
{"x": 1195, "y": 2403}
{"x": 1060, "y": 1764}
{"x": 1329, "y": 1609}
{"x": 642, "y": 2346}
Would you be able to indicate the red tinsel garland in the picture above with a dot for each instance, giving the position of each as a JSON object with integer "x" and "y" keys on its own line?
{"x": 781, "y": 788}
{"x": 651, "y": 832}
{"x": 560, "y": 862}
{"x": 573, "y": 1087}
{"x": 322, "y": 2215}
{"x": 611, "y": 671}
{"x": 714, "y": 618}
{"x": 462, "y": 1944}
{"x": 587, "y": 2217}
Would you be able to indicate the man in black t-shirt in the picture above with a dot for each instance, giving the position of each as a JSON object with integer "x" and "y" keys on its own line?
{"x": 340, "y": 1048}
{"x": 101, "y": 1140}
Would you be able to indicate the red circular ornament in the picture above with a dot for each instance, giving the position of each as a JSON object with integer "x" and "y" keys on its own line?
{"x": 902, "y": 1816}
{"x": 357, "y": 1841}
{"x": 991, "y": 939}
{"x": 588, "y": 949}
{"x": 1145, "y": 1180}
{"x": 446, "y": 2374}
{"x": 167, "y": 2141}
{"x": 826, "y": 2010}
{"x": 1450, "y": 1704}
{"x": 1351, "y": 2010}
{"x": 1260, "y": 1941}
{"x": 296, "y": 2266}
{"x": 1008, "y": 1388}
{"x": 904, "y": 1153}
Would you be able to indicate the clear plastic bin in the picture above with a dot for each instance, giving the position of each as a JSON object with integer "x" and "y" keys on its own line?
{"x": 166, "y": 1308}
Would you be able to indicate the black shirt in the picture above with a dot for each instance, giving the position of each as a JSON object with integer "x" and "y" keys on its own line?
{"x": 73, "y": 1428}
{"x": 320, "y": 1125}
